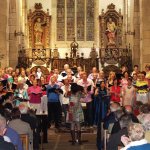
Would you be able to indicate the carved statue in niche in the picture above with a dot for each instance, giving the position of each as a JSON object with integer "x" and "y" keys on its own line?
{"x": 111, "y": 23}
{"x": 39, "y": 27}
{"x": 55, "y": 53}
{"x": 38, "y": 31}
{"x": 111, "y": 31}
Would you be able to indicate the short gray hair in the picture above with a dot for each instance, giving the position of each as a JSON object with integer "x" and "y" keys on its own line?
{"x": 2, "y": 123}
{"x": 146, "y": 122}
{"x": 136, "y": 132}
{"x": 125, "y": 120}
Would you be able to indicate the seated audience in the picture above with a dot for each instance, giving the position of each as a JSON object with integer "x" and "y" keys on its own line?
{"x": 20, "y": 126}
{"x": 129, "y": 111}
{"x": 144, "y": 109}
{"x": 115, "y": 139}
{"x": 146, "y": 125}
{"x": 110, "y": 118}
{"x": 11, "y": 133}
{"x": 3, "y": 144}
{"x": 32, "y": 121}
{"x": 136, "y": 140}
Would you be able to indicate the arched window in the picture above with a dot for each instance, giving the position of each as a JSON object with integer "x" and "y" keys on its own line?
{"x": 75, "y": 18}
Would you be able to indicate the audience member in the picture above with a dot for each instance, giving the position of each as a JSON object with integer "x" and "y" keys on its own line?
{"x": 115, "y": 139}
{"x": 3, "y": 144}
{"x": 136, "y": 139}
{"x": 20, "y": 126}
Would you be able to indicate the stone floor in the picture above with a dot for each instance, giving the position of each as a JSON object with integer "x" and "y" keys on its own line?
{"x": 60, "y": 141}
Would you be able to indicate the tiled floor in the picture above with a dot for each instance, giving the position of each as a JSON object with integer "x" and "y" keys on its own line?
{"x": 60, "y": 141}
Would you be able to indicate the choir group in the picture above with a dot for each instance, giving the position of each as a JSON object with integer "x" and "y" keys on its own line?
{"x": 31, "y": 101}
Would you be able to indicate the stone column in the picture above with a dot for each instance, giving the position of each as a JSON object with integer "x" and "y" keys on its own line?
{"x": 96, "y": 23}
{"x": 53, "y": 23}
{"x": 13, "y": 49}
{"x": 3, "y": 34}
{"x": 136, "y": 40}
{"x": 145, "y": 32}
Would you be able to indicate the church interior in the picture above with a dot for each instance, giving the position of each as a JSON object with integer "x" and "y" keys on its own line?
{"x": 86, "y": 25}
{"x": 49, "y": 48}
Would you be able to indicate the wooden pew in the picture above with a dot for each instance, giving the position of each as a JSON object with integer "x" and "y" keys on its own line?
{"x": 25, "y": 141}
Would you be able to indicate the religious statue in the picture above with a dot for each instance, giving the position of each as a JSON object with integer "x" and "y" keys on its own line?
{"x": 55, "y": 53}
{"x": 74, "y": 48}
{"x": 93, "y": 53}
{"x": 38, "y": 31}
{"x": 93, "y": 56}
{"x": 111, "y": 32}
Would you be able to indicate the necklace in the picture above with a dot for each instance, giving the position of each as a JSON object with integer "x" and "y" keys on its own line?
{"x": 129, "y": 87}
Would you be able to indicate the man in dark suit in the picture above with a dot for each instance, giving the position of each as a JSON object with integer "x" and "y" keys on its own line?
{"x": 3, "y": 144}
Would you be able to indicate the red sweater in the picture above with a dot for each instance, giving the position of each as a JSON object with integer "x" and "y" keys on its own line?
{"x": 115, "y": 95}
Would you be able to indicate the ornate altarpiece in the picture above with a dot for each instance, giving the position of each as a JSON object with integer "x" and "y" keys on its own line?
{"x": 39, "y": 23}
{"x": 117, "y": 18}
{"x": 113, "y": 55}
{"x": 45, "y": 25}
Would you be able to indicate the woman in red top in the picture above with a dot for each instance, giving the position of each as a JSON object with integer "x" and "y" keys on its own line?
{"x": 115, "y": 91}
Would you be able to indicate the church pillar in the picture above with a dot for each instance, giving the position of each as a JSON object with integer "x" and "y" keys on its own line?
{"x": 13, "y": 49}
{"x": 53, "y": 23}
{"x": 3, "y": 33}
{"x": 96, "y": 23}
{"x": 136, "y": 41}
{"x": 145, "y": 32}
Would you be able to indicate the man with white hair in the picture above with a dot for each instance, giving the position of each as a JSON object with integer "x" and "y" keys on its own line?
{"x": 3, "y": 144}
{"x": 64, "y": 72}
{"x": 136, "y": 140}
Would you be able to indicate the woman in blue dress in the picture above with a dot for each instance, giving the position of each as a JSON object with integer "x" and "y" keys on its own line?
{"x": 101, "y": 103}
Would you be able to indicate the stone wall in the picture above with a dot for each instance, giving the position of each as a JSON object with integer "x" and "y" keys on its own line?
{"x": 145, "y": 32}
{"x": 13, "y": 45}
{"x": 136, "y": 41}
{"x": 9, "y": 44}
{"x": 3, "y": 34}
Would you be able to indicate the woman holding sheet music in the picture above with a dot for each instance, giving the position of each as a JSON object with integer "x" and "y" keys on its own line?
{"x": 35, "y": 94}
{"x": 54, "y": 106}
{"x": 87, "y": 103}
{"x": 101, "y": 103}
{"x": 21, "y": 92}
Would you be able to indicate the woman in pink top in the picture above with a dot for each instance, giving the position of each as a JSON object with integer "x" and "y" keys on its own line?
{"x": 124, "y": 81}
{"x": 35, "y": 94}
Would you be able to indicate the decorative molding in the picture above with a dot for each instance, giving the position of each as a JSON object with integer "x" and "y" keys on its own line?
{"x": 38, "y": 6}
{"x": 111, "y": 6}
